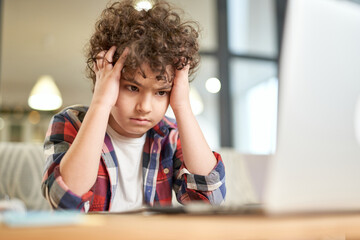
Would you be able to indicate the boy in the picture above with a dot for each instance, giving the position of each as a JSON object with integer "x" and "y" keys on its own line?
{"x": 121, "y": 151}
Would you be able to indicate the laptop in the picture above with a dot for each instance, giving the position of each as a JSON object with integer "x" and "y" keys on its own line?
{"x": 316, "y": 167}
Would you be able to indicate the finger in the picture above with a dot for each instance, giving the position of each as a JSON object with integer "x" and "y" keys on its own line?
{"x": 120, "y": 62}
{"x": 183, "y": 74}
{"x": 95, "y": 68}
{"x": 108, "y": 58}
{"x": 100, "y": 59}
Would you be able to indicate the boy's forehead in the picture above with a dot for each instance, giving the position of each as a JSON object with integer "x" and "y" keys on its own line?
{"x": 145, "y": 72}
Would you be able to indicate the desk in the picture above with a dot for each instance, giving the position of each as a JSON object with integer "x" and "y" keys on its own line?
{"x": 139, "y": 226}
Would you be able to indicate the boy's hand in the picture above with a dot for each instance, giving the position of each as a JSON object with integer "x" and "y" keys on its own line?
{"x": 179, "y": 98}
{"x": 196, "y": 153}
{"x": 107, "y": 84}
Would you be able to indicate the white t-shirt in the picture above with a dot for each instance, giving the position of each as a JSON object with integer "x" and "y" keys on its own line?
{"x": 129, "y": 191}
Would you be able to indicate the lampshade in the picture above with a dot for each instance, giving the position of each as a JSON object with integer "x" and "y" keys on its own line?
{"x": 45, "y": 95}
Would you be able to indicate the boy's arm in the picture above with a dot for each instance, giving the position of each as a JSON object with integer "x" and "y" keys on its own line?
{"x": 79, "y": 166}
{"x": 197, "y": 154}
{"x": 61, "y": 133}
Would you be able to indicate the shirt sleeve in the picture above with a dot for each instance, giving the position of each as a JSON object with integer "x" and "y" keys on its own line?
{"x": 191, "y": 187}
{"x": 59, "y": 137}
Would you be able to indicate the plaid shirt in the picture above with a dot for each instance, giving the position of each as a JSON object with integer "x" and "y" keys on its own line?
{"x": 163, "y": 168}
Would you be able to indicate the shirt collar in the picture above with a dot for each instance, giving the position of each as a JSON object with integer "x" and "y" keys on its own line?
{"x": 163, "y": 127}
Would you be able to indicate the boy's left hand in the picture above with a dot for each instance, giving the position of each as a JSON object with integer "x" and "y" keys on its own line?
{"x": 179, "y": 98}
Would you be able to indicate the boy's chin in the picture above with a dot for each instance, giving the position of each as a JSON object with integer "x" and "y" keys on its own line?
{"x": 137, "y": 132}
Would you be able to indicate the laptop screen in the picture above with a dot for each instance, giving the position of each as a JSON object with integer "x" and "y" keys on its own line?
{"x": 317, "y": 160}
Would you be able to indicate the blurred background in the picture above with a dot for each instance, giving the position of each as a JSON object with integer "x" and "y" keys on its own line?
{"x": 234, "y": 94}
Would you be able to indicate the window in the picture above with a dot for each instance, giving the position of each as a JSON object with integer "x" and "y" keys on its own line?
{"x": 252, "y": 44}
{"x": 254, "y": 105}
{"x": 252, "y": 27}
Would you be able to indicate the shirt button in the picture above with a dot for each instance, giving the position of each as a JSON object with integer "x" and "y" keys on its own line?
{"x": 166, "y": 170}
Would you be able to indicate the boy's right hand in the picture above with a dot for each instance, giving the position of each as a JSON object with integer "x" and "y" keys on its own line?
{"x": 107, "y": 83}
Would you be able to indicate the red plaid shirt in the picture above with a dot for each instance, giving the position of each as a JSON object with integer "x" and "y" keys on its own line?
{"x": 163, "y": 168}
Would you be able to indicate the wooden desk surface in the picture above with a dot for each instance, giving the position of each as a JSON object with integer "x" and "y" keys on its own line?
{"x": 139, "y": 226}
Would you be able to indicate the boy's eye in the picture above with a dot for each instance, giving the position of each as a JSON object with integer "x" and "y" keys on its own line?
{"x": 162, "y": 93}
{"x": 132, "y": 88}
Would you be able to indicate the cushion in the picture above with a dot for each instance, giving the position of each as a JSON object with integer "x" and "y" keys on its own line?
{"x": 21, "y": 166}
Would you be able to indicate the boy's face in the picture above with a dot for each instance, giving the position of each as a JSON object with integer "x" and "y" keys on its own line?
{"x": 141, "y": 104}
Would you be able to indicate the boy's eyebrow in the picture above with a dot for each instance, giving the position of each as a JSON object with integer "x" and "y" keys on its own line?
{"x": 167, "y": 87}
{"x": 133, "y": 81}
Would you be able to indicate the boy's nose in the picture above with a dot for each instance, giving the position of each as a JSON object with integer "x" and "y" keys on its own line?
{"x": 144, "y": 105}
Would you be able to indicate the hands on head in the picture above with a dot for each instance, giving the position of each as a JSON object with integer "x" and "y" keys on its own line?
{"x": 179, "y": 98}
{"x": 107, "y": 84}
{"x": 108, "y": 76}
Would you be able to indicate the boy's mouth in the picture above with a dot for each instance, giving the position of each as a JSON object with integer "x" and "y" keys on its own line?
{"x": 140, "y": 121}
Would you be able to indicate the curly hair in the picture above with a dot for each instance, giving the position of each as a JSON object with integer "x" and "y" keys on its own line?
{"x": 157, "y": 37}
